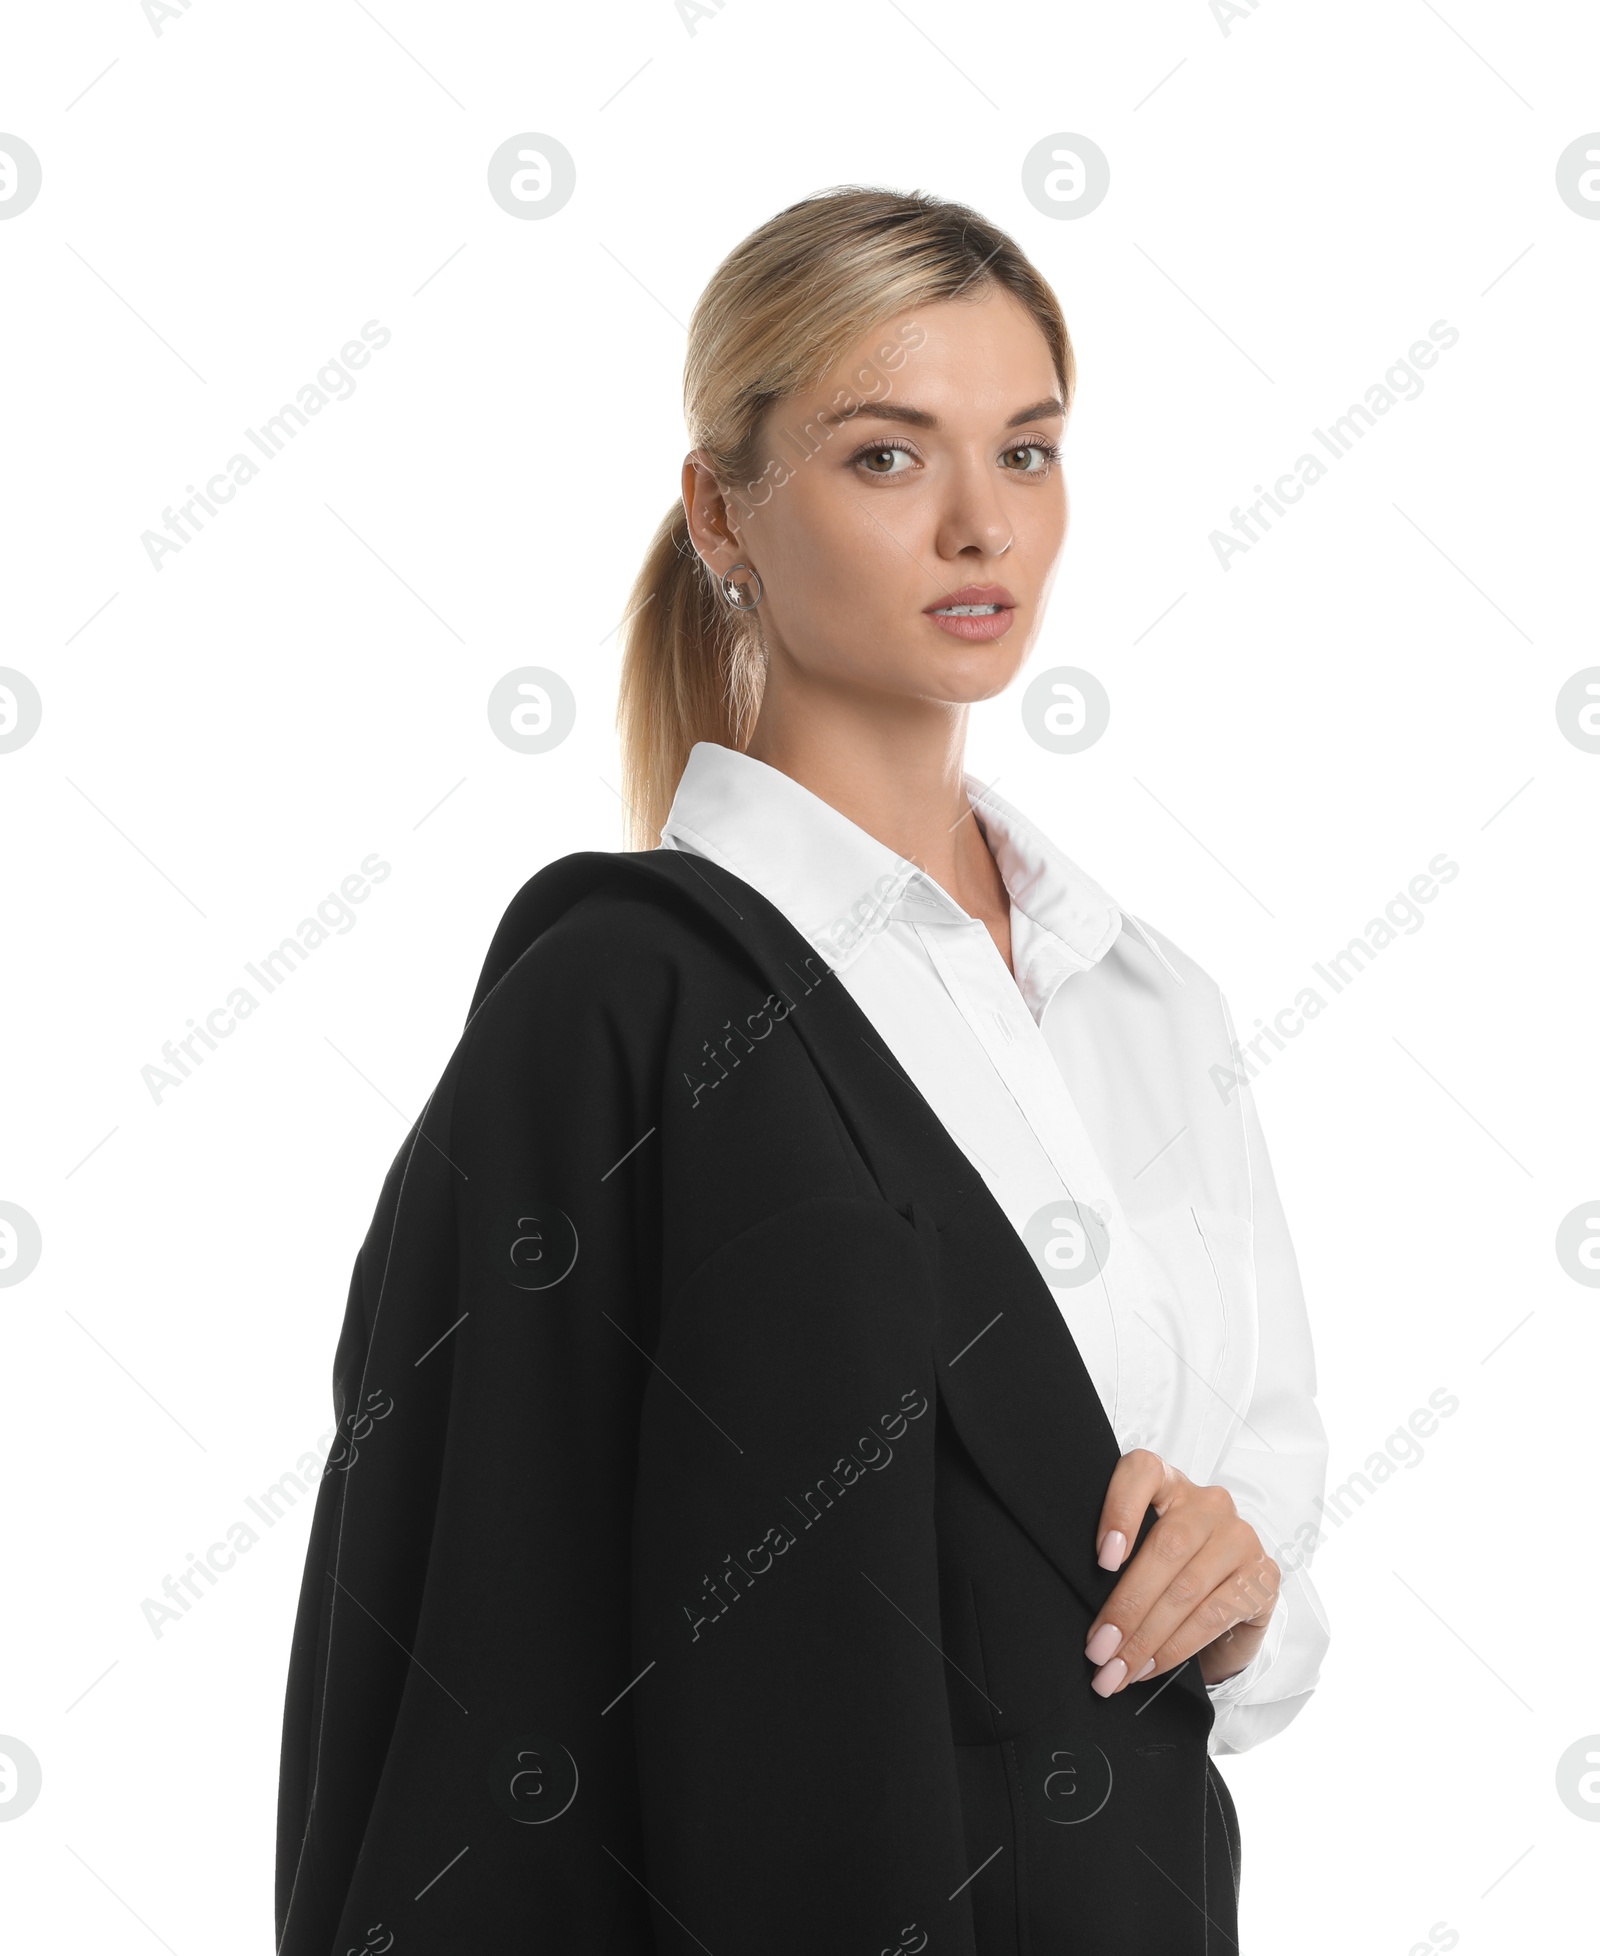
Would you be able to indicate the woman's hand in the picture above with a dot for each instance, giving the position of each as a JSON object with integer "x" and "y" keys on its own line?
{"x": 1201, "y": 1583}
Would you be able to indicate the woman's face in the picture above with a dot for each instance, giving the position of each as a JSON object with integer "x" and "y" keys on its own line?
{"x": 943, "y": 486}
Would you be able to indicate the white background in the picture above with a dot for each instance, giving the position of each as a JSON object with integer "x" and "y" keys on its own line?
{"x": 1293, "y": 202}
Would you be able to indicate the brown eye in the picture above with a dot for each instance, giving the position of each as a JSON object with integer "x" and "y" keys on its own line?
{"x": 1046, "y": 451}
{"x": 870, "y": 458}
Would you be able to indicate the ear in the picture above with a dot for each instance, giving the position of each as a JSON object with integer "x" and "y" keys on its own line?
{"x": 712, "y": 527}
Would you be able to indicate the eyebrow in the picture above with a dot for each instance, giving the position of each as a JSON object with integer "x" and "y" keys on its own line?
{"x": 920, "y": 418}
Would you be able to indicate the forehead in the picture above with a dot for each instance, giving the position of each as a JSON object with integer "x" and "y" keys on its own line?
{"x": 977, "y": 357}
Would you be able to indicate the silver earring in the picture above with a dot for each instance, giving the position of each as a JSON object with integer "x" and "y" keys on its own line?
{"x": 732, "y": 591}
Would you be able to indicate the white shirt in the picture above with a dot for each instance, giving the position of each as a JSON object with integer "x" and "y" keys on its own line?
{"x": 1094, "y": 1092}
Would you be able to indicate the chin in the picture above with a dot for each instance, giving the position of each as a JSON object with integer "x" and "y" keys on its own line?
{"x": 971, "y": 673}
{"x": 951, "y": 674}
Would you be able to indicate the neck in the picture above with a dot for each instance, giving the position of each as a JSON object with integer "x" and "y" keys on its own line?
{"x": 891, "y": 765}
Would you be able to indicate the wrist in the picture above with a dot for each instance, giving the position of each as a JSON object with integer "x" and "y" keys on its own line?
{"x": 1234, "y": 1651}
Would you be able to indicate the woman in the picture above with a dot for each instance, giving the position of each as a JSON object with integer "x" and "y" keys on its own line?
{"x": 842, "y": 1372}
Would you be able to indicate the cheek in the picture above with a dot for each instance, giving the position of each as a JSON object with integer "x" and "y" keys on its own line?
{"x": 1040, "y": 535}
{"x": 838, "y": 556}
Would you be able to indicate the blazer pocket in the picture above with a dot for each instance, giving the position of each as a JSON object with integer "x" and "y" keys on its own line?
{"x": 986, "y": 1782}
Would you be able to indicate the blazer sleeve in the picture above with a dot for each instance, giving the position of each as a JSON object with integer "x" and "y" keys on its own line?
{"x": 614, "y": 1631}
{"x": 449, "y": 1776}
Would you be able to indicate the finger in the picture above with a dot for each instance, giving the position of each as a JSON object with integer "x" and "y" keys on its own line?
{"x": 1180, "y": 1578}
{"x": 1139, "y": 1479}
{"x": 1179, "y": 1535}
{"x": 1236, "y": 1612}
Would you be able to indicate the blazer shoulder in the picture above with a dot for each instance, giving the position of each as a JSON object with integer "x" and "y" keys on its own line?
{"x": 606, "y": 929}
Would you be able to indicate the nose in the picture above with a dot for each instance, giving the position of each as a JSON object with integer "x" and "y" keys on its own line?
{"x": 974, "y": 518}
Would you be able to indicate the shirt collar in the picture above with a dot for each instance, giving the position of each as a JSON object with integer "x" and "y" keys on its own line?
{"x": 838, "y": 885}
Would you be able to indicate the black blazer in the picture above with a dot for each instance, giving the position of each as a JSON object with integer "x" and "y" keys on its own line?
{"x": 705, "y": 1559}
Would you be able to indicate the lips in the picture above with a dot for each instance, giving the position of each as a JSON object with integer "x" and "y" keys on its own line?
{"x": 977, "y": 613}
{"x": 974, "y": 594}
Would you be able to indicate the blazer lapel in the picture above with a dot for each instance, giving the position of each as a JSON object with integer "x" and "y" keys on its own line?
{"x": 1010, "y": 1374}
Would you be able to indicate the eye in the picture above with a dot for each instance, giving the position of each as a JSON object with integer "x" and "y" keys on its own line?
{"x": 884, "y": 452}
{"x": 1048, "y": 453}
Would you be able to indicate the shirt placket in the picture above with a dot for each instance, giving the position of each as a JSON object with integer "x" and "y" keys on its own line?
{"x": 992, "y": 1005}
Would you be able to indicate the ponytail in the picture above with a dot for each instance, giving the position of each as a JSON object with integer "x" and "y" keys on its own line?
{"x": 691, "y": 670}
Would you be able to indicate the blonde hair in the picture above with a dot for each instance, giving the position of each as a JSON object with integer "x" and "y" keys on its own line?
{"x": 784, "y": 305}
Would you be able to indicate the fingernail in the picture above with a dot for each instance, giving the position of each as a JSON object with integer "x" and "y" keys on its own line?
{"x": 1103, "y": 1643}
{"x": 1109, "y": 1676}
{"x": 1149, "y": 1666}
{"x": 1113, "y": 1549}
